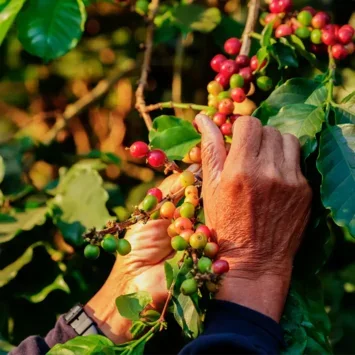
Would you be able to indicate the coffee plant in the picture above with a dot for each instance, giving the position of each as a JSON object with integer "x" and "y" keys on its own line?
{"x": 63, "y": 202}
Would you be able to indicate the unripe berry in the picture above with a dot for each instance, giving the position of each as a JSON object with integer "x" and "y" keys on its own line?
{"x": 283, "y": 31}
{"x": 217, "y": 61}
{"x": 226, "y": 106}
{"x": 303, "y": 32}
{"x": 214, "y": 88}
{"x": 320, "y": 19}
{"x": 186, "y": 178}
{"x": 188, "y": 287}
{"x": 242, "y": 60}
{"x": 264, "y": 83}
{"x": 211, "y": 250}
{"x": 227, "y": 129}
{"x": 155, "y": 215}
{"x": 238, "y": 95}
{"x": 219, "y": 119}
{"x": 123, "y": 247}
{"x": 91, "y": 252}
{"x": 247, "y": 74}
{"x": 223, "y": 95}
{"x": 109, "y": 244}
{"x": 220, "y": 267}
{"x": 233, "y": 118}
{"x": 236, "y": 81}
{"x": 339, "y": 52}
{"x": 139, "y": 149}
{"x": 204, "y": 230}
{"x": 204, "y": 264}
{"x": 316, "y": 36}
{"x": 305, "y": 18}
{"x": 156, "y": 158}
{"x": 222, "y": 79}
{"x": 181, "y": 224}
{"x": 171, "y": 231}
{"x": 187, "y": 210}
{"x": 193, "y": 199}
{"x": 310, "y": 9}
{"x": 167, "y": 210}
{"x": 187, "y": 234}
{"x": 275, "y": 19}
{"x": 156, "y": 192}
{"x": 211, "y": 286}
{"x": 191, "y": 190}
{"x": 212, "y": 103}
{"x": 329, "y": 37}
{"x": 232, "y": 46}
{"x": 345, "y": 34}
{"x": 195, "y": 154}
{"x": 198, "y": 241}
{"x": 149, "y": 203}
{"x": 179, "y": 243}
{"x": 228, "y": 68}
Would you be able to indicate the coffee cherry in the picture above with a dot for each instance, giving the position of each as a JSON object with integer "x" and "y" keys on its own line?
{"x": 187, "y": 210}
{"x": 188, "y": 287}
{"x": 123, "y": 247}
{"x": 193, "y": 199}
{"x": 318, "y": 48}
{"x": 220, "y": 267}
{"x": 156, "y": 192}
{"x": 227, "y": 129}
{"x": 195, "y": 154}
{"x": 242, "y": 60}
{"x": 285, "y": 5}
{"x": 187, "y": 178}
{"x": 204, "y": 230}
{"x": 316, "y": 36}
{"x": 223, "y": 95}
{"x": 149, "y": 203}
{"x": 339, "y": 52}
{"x": 283, "y": 31}
{"x": 191, "y": 190}
{"x": 214, "y": 88}
{"x": 217, "y": 61}
{"x": 303, "y": 32}
{"x": 233, "y": 118}
{"x": 142, "y": 7}
{"x": 228, "y": 68}
{"x": 232, "y": 46}
{"x": 204, "y": 264}
{"x": 310, "y": 9}
{"x": 350, "y": 48}
{"x": 254, "y": 63}
{"x": 167, "y": 210}
{"x": 329, "y": 37}
{"x": 236, "y": 81}
{"x": 213, "y": 103}
{"x": 226, "y": 106}
{"x": 139, "y": 149}
{"x": 182, "y": 223}
{"x": 305, "y": 18}
{"x": 320, "y": 19}
{"x": 109, "y": 244}
{"x": 211, "y": 286}
{"x": 247, "y": 74}
{"x": 345, "y": 34}
{"x": 264, "y": 83}
{"x": 92, "y": 252}
{"x": 156, "y": 158}
{"x": 222, "y": 79}
{"x": 275, "y": 7}
{"x": 238, "y": 95}
{"x": 275, "y": 19}
{"x": 177, "y": 212}
{"x": 155, "y": 215}
{"x": 219, "y": 119}
{"x": 187, "y": 234}
{"x": 178, "y": 243}
{"x": 211, "y": 250}
{"x": 171, "y": 231}
{"x": 198, "y": 241}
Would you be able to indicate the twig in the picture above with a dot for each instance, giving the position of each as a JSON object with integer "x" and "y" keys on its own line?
{"x": 84, "y": 102}
{"x": 176, "y": 87}
{"x": 253, "y": 13}
{"x": 170, "y": 104}
{"x": 148, "y": 46}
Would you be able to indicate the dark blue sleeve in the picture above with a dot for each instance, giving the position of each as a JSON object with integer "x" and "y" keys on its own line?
{"x": 234, "y": 329}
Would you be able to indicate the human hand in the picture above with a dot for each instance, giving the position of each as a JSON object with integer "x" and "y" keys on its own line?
{"x": 257, "y": 202}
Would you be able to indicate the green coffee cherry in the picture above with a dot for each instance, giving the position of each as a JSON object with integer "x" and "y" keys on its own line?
{"x": 303, "y": 32}
{"x": 179, "y": 243}
{"x": 109, "y": 244}
{"x": 149, "y": 203}
{"x": 187, "y": 210}
{"x": 188, "y": 287}
{"x": 236, "y": 81}
{"x": 204, "y": 264}
{"x": 123, "y": 247}
{"x": 264, "y": 83}
{"x": 92, "y": 252}
{"x": 142, "y": 7}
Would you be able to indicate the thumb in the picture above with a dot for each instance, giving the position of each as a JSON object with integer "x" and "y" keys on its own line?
{"x": 213, "y": 150}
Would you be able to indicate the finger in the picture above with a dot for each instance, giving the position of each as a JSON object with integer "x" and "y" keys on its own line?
{"x": 271, "y": 149}
{"x": 292, "y": 154}
{"x": 213, "y": 150}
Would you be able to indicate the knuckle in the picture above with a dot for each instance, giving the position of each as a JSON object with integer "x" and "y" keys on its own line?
{"x": 249, "y": 120}
{"x": 292, "y": 138}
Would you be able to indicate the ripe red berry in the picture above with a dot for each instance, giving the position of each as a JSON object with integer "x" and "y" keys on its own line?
{"x": 219, "y": 119}
{"x": 211, "y": 249}
{"x": 238, "y": 95}
{"x": 228, "y": 68}
{"x": 320, "y": 19}
{"x": 283, "y": 31}
{"x": 217, "y": 61}
{"x": 220, "y": 267}
{"x": 242, "y": 60}
{"x": 345, "y": 34}
{"x": 285, "y": 5}
{"x": 226, "y": 106}
{"x": 233, "y": 118}
{"x": 247, "y": 74}
{"x": 156, "y": 158}
{"x": 275, "y": 7}
{"x": 318, "y": 49}
{"x": 310, "y": 9}
{"x": 139, "y": 149}
{"x": 273, "y": 18}
{"x": 232, "y": 46}
{"x": 222, "y": 79}
{"x": 227, "y": 129}
{"x": 339, "y": 51}
{"x": 205, "y": 230}
{"x": 254, "y": 63}
{"x": 329, "y": 37}
{"x": 156, "y": 192}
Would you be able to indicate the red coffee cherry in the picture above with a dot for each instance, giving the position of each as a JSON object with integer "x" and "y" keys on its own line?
{"x": 238, "y": 95}
{"x": 226, "y": 106}
{"x": 273, "y": 18}
{"x": 310, "y": 9}
{"x": 139, "y": 149}
{"x": 232, "y": 46}
{"x": 339, "y": 51}
{"x": 219, "y": 119}
{"x": 156, "y": 192}
{"x": 222, "y": 79}
{"x": 227, "y": 129}
{"x": 247, "y": 74}
{"x": 242, "y": 60}
{"x": 220, "y": 267}
{"x": 254, "y": 63}
{"x": 275, "y": 7}
{"x": 156, "y": 158}
{"x": 205, "y": 230}
{"x": 211, "y": 249}
{"x": 318, "y": 49}
{"x": 345, "y": 34}
{"x": 329, "y": 37}
{"x": 233, "y": 118}
{"x": 320, "y": 19}
{"x": 283, "y": 31}
{"x": 285, "y": 5}
{"x": 228, "y": 68}
{"x": 217, "y": 61}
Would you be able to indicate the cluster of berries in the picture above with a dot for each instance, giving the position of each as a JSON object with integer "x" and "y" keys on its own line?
{"x": 156, "y": 158}
{"x": 311, "y": 26}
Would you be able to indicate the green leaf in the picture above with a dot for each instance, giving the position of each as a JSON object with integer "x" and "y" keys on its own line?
{"x": 262, "y": 54}
{"x": 349, "y": 98}
{"x": 8, "y": 12}
{"x": 5, "y": 346}
{"x": 58, "y": 284}
{"x": 163, "y": 122}
{"x": 169, "y": 274}
{"x": 131, "y": 305}
{"x": 266, "y": 35}
{"x": 21, "y": 221}
{"x": 85, "y": 345}
{"x": 105, "y": 157}
{"x": 318, "y": 96}
{"x": 54, "y": 34}
{"x": 194, "y": 17}
{"x": 344, "y": 114}
{"x": 176, "y": 142}
{"x": 299, "y": 120}
{"x": 284, "y": 55}
{"x": 336, "y": 163}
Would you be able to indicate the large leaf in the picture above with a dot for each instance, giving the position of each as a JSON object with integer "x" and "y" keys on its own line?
{"x": 84, "y": 345}
{"x": 284, "y": 55}
{"x": 49, "y": 29}
{"x": 345, "y": 113}
{"x": 21, "y": 221}
{"x": 8, "y": 12}
{"x": 336, "y": 163}
{"x": 318, "y": 96}
{"x": 82, "y": 202}
{"x": 131, "y": 305}
{"x": 164, "y": 122}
